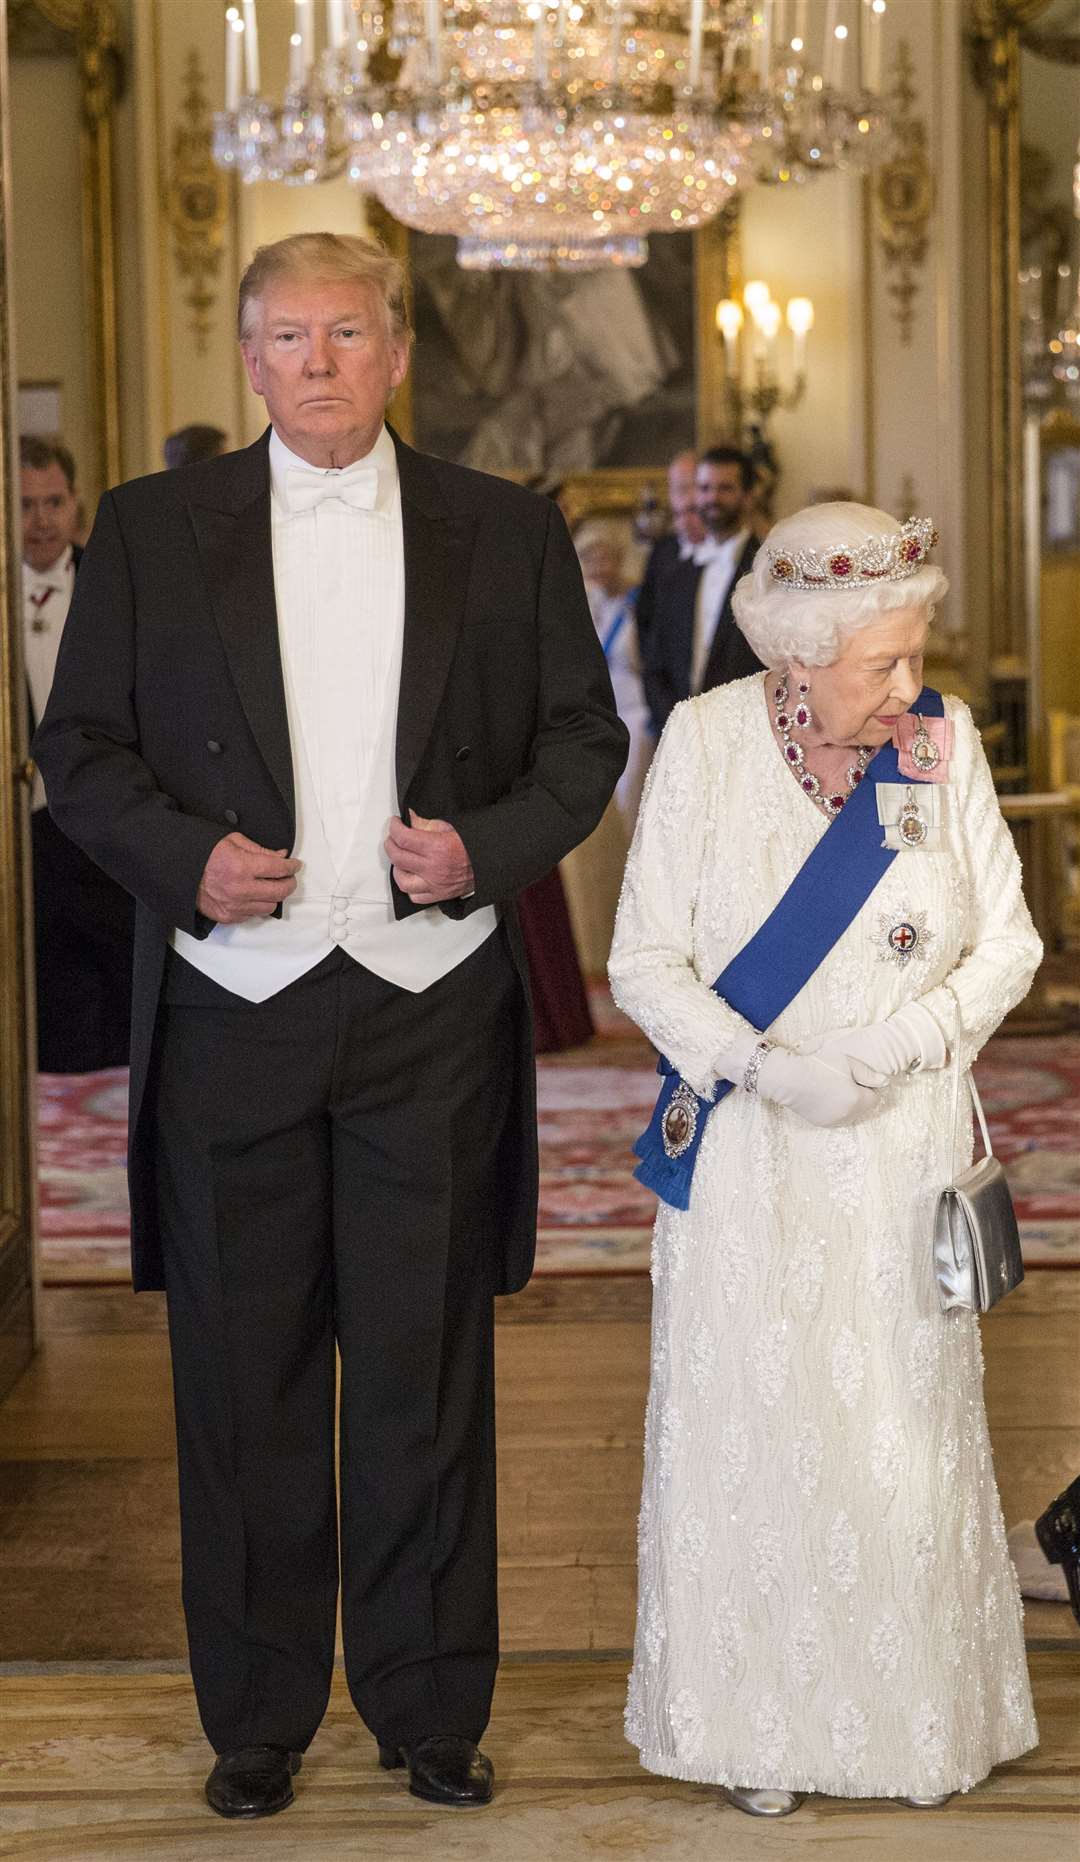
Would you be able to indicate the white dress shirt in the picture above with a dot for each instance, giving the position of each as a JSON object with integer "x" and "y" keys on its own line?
{"x": 46, "y": 600}
{"x": 339, "y": 582}
{"x": 719, "y": 559}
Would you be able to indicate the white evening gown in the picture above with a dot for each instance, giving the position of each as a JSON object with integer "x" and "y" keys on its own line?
{"x": 826, "y": 1601}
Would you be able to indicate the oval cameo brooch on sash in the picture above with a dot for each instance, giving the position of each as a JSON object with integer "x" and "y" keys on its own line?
{"x": 680, "y": 1121}
{"x": 923, "y": 751}
{"x": 911, "y": 824}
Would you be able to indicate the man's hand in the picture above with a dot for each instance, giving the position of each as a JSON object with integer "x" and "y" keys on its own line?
{"x": 429, "y": 860}
{"x": 243, "y": 880}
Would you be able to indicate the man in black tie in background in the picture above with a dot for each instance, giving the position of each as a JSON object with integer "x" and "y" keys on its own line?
{"x": 325, "y": 706}
{"x": 694, "y": 642}
{"x": 83, "y": 921}
{"x": 677, "y": 545}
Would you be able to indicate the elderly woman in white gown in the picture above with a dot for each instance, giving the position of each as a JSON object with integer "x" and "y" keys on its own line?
{"x": 826, "y": 1601}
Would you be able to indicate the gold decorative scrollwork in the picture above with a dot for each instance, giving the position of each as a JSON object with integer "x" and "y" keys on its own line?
{"x": 88, "y": 30}
{"x": 996, "y": 26}
{"x": 904, "y": 195}
{"x": 197, "y": 203}
{"x": 40, "y": 31}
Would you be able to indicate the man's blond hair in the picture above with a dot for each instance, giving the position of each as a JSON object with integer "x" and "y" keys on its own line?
{"x": 330, "y": 258}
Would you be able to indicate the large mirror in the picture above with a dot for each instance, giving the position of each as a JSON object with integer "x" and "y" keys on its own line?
{"x": 1028, "y": 57}
{"x": 1049, "y": 280}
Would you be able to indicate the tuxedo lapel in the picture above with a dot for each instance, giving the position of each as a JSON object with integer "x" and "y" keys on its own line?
{"x": 729, "y": 656}
{"x": 682, "y": 598}
{"x": 230, "y": 514}
{"x": 438, "y": 552}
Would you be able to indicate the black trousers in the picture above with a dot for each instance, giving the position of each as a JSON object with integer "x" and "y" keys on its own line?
{"x": 325, "y": 1166}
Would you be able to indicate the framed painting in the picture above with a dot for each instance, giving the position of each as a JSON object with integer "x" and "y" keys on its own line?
{"x": 581, "y": 385}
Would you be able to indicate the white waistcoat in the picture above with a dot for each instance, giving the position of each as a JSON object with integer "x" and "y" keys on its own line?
{"x": 345, "y": 784}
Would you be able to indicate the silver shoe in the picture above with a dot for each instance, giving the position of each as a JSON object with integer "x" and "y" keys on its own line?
{"x": 927, "y": 1803}
{"x": 768, "y": 1803}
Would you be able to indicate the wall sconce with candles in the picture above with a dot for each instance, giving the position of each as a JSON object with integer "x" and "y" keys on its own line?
{"x": 752, "y": 388}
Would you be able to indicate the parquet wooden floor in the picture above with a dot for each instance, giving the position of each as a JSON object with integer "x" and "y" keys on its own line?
{"x": 108, "y": 1763}
{"x": 109, "y": 1768}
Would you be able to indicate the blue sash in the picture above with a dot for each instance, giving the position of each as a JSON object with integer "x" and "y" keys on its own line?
{"x": 621, "y": 617}
{"x": 826, "y": 894}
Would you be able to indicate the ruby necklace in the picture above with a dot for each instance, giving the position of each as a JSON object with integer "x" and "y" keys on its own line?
{"x": 795, "y": 755}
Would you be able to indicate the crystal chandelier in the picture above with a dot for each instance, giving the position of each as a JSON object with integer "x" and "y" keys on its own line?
{"x": 816, "y": 103}
{"x": 1050, "y": 335}
{"x": 556, "y": 134}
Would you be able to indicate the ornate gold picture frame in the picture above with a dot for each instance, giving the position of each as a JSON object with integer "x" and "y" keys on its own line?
{"x": 617, "y": 491}
{"x": 87, "y": 30}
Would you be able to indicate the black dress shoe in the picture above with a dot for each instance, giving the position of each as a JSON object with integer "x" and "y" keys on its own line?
{"x": 1058, "y": 1532}
{"x": 444, "y": 1769}
{"x": 256, "y": 1781}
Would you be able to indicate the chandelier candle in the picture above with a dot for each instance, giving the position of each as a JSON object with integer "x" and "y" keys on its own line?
{"x": 251, "y": 50}
{"x": 304, "y": 26}
{"x": 540, "y": 51}
{"x": 433, "y": 22}
{"x": 234, "y": 32}
{"x": 697, "y": 30}
{"x": 829, "y": 46}
{"x": 336, "y": 30}
{"x": 616, "y": 40}
{"x": 875, "y": 26}
{"x": 780, "y": 26}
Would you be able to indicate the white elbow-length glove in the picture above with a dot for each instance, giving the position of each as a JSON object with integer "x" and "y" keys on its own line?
{"x": 823, "y": 1091}
{"x": 908, "y": 1041}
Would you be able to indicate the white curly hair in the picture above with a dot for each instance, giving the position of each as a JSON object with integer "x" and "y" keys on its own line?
{"x": 810, "y": 626}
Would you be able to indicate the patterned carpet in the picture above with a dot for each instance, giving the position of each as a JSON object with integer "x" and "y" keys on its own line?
{"x": 593, "y": 1103}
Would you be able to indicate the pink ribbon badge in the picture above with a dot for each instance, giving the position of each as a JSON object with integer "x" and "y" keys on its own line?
{"x": 924, "y": 747}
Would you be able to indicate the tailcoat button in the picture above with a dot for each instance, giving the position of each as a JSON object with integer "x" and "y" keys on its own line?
{"x": 231, "y": 817}
{"x": 213, "y": 746}
{"x": 462, "y": 755}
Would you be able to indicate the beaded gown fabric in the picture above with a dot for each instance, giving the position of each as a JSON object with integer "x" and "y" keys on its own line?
{"x": 826, "y": 1601}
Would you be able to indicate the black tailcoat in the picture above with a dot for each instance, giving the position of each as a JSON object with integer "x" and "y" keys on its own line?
{"x": 167, "y": 724}
{"x": 669, "y": 644}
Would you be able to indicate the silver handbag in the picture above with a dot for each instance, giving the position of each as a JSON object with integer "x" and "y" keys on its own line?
{"x": 977, "y": 1254}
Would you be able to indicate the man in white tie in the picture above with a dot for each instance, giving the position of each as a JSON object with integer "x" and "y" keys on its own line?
{"x": 82, "y": 921}
{"x": 723, "y": 483}
{"x": 326, "y": 706}
{"x": 694, "y": 643}
{"x": 50, "y": 523}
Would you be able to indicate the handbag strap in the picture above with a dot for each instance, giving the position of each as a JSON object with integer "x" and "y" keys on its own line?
{"x": 979, "y": 1113}
{"x": 972, "y": 1089}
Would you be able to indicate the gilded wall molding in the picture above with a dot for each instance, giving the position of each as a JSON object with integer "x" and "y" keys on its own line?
{"x": 17, "y": 1166}
{"x": 100, "y": 77}
{"x": 995, "y": 29}
{"x": 197, "y": 203}
{"x": 88, "y": 31}
{"x": 904, "y": 196}
{"x": 41, "y": 28}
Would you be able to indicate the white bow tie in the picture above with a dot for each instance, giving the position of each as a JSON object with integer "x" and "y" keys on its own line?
{"x": 358, "y": 487}
{"x": 710, "y": 550}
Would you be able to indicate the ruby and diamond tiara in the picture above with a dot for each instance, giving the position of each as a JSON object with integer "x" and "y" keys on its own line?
{"x": 881, "y": 559}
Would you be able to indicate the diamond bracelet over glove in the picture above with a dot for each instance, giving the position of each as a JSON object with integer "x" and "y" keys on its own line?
{"x": 754, "y": 1066}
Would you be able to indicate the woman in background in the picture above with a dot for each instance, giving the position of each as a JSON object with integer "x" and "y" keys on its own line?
{"x": 601, "y": 549}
